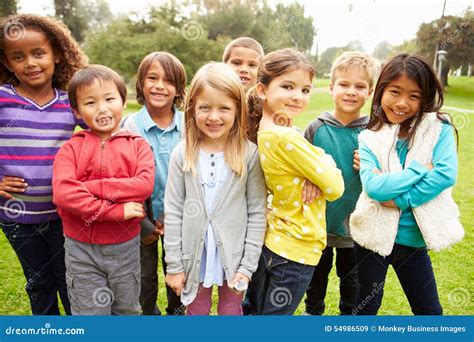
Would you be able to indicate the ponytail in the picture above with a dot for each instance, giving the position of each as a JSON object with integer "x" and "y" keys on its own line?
{"x": 254, "y": 116}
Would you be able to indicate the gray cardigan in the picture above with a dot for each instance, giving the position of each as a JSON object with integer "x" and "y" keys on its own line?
{"x": 238, "y": 221}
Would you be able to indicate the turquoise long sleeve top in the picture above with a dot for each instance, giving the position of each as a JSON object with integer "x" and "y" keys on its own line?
{"x": 412, "y": 186}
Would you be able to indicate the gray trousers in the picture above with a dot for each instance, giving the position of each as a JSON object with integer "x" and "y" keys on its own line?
{"x": 103, "y": 279}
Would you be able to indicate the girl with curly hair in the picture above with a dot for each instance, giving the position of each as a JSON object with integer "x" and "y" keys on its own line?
{"x": 38, "y": 58}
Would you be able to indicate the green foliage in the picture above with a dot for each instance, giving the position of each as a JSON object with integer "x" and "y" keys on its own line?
{"x": 8, "y": 7}
{"x": 450, "y": 33}
{"x": 198, "y": 37}
{"x": 72, "y": 13}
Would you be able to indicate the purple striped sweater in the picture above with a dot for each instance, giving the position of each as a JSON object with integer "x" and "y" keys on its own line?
{"x": 30, "y": 137}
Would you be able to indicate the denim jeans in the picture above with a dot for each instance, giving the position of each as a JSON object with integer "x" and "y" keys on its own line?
{"x": 348, "y": 285}
{"x": 40, "y": 250}
{"x": 414, "y": 271}
{"x": 277, "y": 286}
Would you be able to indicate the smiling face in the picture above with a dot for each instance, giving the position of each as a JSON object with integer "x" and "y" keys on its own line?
{"x": 158, "y": 91}
{"x": 287, "y": 93}
{"x": 100, "y": 106}
{"x": 350, "y": 91}
{"x": 244, "y": 62}
{"x": 401, "y": 99}
{"x": 31, "y": 58}
{"x": 215, "y": 115}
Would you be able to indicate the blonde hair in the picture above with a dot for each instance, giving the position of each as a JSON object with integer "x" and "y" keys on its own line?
{"x": 245, "y": 42}
{"x": 273, "y": 65}
{"x": 356, "y": 59}
{"x": 221, "y": 77}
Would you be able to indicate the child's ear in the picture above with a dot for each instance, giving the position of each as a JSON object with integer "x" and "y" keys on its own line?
{"x": 76, "y": 114}
{"x": 261, "y": 91}
{"x": 331, "y": 87}
{"x": 7, "y": 65}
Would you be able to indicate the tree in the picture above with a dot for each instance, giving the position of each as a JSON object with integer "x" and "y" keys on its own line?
{"x": 408, "y": 46}
{"x": 71, "y": 13}
{"x": 383, "y": 50}
{"x": 453, "y": 34}
{"x": 327, "y": 58}
{"x": 8, "y": 7}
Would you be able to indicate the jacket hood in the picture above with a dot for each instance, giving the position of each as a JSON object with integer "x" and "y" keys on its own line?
{"x": 329, "y": 118}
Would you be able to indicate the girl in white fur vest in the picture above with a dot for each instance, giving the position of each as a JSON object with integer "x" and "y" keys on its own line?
{"x": 408, "y": 165}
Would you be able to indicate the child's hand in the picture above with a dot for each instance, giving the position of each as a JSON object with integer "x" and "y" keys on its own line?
{"x": 11, "y": 184}
{"x": 133, "y": 209}
{"x": 152, "y": 237}
{"x": 310, "y": 192}
{"x": 356, "y": 160}
{"x": 238, "y": 277}
{"x": 429, "y": 166}
{"x": 159, "y": 228}
{"x": 176, "y": 282}
{"x": 389, "y": 204}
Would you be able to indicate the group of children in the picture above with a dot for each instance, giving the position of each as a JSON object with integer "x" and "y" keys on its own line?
{"x": 235, "y": 193}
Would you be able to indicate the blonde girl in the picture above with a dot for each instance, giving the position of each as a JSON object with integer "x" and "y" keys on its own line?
{"x": 215, "y": 197}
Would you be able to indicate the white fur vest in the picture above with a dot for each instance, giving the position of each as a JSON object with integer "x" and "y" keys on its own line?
{"x": 374, "y": 226}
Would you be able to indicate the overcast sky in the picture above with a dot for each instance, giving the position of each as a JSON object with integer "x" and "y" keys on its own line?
{"x": 337, "y": 21}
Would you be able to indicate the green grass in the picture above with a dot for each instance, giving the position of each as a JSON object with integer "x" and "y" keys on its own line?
{"x": 453, "y": 268}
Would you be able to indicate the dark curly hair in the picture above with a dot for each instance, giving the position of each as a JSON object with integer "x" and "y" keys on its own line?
{"x": 71, "y": 58}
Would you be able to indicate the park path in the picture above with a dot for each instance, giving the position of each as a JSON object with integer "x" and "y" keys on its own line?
{"x": 470, "y": 111}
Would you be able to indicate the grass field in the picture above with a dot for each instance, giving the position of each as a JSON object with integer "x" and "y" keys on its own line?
{"x": 454, "y": 268}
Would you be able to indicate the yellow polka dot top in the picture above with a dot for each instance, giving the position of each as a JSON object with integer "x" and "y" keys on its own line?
{"x": 296, "y": 231}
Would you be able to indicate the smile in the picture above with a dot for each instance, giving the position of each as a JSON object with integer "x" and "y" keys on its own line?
{"x": 399, "y": 113}
{"x": 160, "y": 96}
{"x": 103, "y": 121}
{"x": 34, "y": 74}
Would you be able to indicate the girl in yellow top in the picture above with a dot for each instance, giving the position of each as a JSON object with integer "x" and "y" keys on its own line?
{"x": 296, "y": 232}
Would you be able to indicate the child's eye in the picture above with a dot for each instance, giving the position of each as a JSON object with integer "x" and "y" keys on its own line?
{"x": 110, "y": 99}
{"x": 17, "y": 58}
{"x": 88, "y": 103}
{"x": 253, "y": 65}
{"x": 415, "y": 97}
{"x": 287, "y": 87}
{"x": 306, "y": 91}
{"x": 39, "y": 54}
{"x": 204, "y": 108}
{"x": 394, "y": 92}
{"x": 225, "y": 109}
{"x": 235, "y": 62}
{"x": 152, "y": 78}
{"x": 361, "y": 87}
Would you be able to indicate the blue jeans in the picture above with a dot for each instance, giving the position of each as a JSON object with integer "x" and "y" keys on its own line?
{"x": 277, "y": 286}
{"x": 40, "y": 250}
{"x": 348, "y": 285}
{"x": 413, "y": 268}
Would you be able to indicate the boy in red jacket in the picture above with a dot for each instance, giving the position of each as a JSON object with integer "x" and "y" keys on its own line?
{"x": 101, "y": 177}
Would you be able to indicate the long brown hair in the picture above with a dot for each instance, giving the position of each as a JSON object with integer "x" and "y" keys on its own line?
{"x": 419, "y": 70}
{"x": 221, "y": 77}
{"x": 273, "y": 65}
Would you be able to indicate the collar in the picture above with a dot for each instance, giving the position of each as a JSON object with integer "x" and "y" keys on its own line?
{"x": 331, "y": 119}
{"x": 148, "y": 123}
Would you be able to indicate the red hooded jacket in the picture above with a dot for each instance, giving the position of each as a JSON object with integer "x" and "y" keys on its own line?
{"x": 92, "y": 180}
